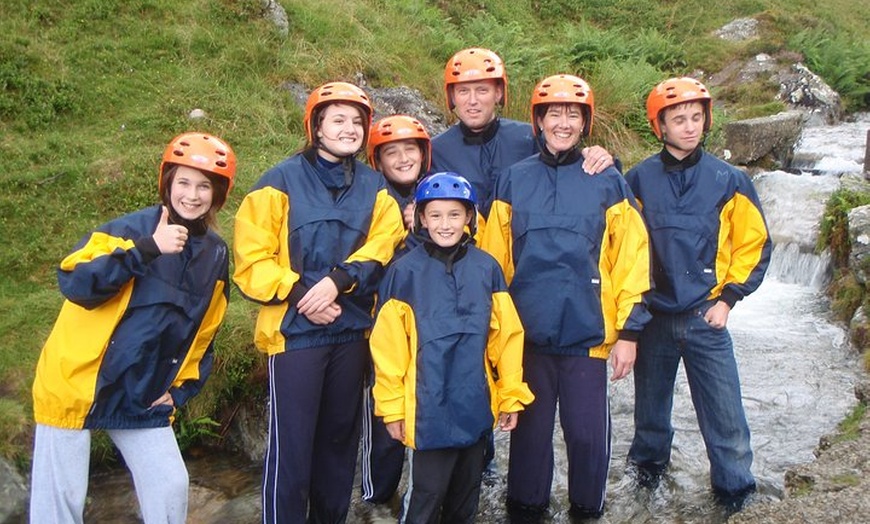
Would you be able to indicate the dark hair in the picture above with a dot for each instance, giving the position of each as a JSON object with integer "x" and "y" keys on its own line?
{"x": 317, "y": 122}
{"x": 220, "y": 188}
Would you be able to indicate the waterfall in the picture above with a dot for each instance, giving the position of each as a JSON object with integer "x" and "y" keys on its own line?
{"x": 793, "y": 206}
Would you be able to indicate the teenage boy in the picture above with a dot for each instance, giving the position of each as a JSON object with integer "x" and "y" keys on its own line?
{"x": 711, "y": 248}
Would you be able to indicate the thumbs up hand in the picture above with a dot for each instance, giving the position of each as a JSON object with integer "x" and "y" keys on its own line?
{"x": 170, "y": 238}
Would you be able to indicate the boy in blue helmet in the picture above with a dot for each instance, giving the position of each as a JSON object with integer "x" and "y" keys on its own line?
{"x": 447, "y": 348}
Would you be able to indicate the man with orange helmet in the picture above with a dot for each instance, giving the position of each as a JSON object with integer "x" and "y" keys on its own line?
{"x": 481, "y": 144}
{"x": 575, "y": 253}
{"x": 711, "y": 248}
{"x": 145, "y": 295}
{"x": 311, "y": 240}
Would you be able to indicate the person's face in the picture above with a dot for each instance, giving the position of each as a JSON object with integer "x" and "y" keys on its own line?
{"x": 341, "y": 131}
{"x": 562, "y": 126}
{"x": 401, "y": 161}
{"x": 683, "y": 128}
{"x": 191, "y": 193}
{"x": 445, "y": 220}
{"x": 476, "y": 102}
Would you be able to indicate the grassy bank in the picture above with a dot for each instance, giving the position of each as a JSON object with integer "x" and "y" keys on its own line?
{"x": 91, "y": 90}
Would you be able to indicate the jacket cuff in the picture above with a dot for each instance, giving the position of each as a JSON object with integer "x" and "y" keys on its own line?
{"x": 729, "y": 297}
{"x": 148, "y": 248}
{"x": 629, "y": 335}
{"x": 296, "y": 293}
{"x": 343, "y": 280}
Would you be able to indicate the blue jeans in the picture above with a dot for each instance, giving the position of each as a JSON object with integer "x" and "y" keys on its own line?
{"x": 711, "y": 370}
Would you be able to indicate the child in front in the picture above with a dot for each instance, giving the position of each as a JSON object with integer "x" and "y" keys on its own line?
{"x": 447, "y": 346}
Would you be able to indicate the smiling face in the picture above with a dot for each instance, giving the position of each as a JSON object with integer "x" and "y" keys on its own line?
{"x": 683, "y": 128}
{"x": 401, "y": 161}
{"x": 445, "y": 220}
{"x": 191, "y": 193}
{"x": 562, "y": 126}
{"x": 340, "y": 131}
{"x": 476, "y": 102}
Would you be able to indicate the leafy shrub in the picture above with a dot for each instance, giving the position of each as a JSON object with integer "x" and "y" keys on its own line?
{"x": 842, "y": 62}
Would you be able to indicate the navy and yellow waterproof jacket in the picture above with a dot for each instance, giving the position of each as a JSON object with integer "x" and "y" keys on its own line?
{"x": 707, "y": 230}
{"x": 135, "y": 324}
{"x": 409, "y": 239}
{"x": 480, "y": 157}
{"x": 575, "y": 253}
{"x": 447, "y": 347}
{"x": 292, "y": 230}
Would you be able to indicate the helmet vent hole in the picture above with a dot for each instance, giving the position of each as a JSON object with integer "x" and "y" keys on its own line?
{"x": 178, "y": 152}
{"x": 221, "y": 163}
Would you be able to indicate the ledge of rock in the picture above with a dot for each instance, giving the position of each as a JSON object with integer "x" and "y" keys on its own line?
{"x": 774, "y": 136}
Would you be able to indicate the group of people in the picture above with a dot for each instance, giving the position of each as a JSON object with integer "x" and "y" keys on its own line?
{"x": 454, "y": 286}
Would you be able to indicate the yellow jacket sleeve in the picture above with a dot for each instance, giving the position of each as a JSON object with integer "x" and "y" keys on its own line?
{"x": 505, "y": 354}
{"x": 393, "y": 345}
{"x": 386, "y": 231}
{"x": 497, "y": 239}
{"x": 262, "y": 256}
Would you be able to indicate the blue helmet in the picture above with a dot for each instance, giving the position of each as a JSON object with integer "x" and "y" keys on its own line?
{"x": 446, "y": 186}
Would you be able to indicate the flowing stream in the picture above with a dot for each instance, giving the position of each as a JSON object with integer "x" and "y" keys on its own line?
{"x": 797, "y": 374}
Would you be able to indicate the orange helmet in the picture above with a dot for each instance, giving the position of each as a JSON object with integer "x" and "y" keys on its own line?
{"x": 335, "y": 92}
{"x": 675, "y": 91}
{"x": 395, "y": 128}
{"x": 472, "y": 65}
{"x": 200, "y": 151}
{"x": 564, "y": 89}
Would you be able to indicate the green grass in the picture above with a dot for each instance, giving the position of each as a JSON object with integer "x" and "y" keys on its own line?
{"x": 850, "y": 428}
{"x": 91, "y": 90}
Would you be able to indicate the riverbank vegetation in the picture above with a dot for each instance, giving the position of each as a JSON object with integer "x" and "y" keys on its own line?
{"x": 847, "y": 292}
{"x": 91, "y": 90}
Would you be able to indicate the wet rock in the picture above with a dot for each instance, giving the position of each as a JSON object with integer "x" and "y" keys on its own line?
{"x": 771, "y": 136}
{"x": 738, "y": 30}
{"x": 797, "y": 87}
{"x": 249, "y": 431}
{"x": 405, "y": 100}
{"x": 276, "y": 14}
{"x": 13, "y": 494}
{"x": 859, "y": 330}
{"x": 830, "y": 490}
{"x": 802, "y": 89}
{"x": 298, "y": 91}
{"x": 862, "y": 391}
{"x": 196, "y": 114}
{"x": 760, "y": 67}
{"x": 859, "y": 237}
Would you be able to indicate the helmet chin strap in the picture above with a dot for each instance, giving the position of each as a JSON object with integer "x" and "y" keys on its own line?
{"x": 320, "y": 145}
